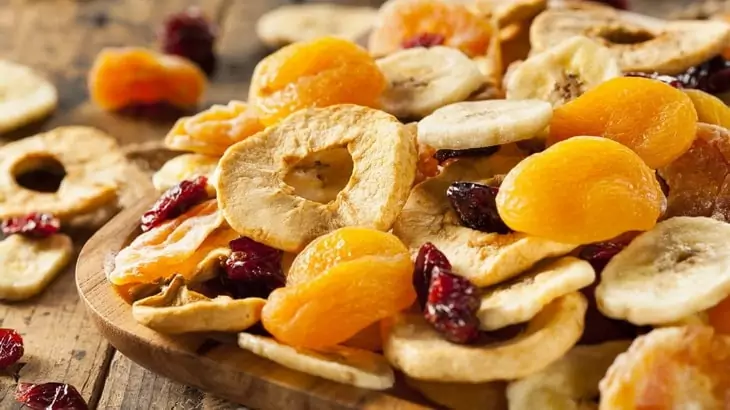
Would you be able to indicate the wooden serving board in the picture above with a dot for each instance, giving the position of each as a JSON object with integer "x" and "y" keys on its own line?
{"x": 202, "y": 360}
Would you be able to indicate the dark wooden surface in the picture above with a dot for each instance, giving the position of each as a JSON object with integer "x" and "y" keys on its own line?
{"x": 61, "y": 38}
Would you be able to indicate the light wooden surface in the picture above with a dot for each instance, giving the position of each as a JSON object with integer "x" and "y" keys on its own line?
{"x": 61, "y": 38}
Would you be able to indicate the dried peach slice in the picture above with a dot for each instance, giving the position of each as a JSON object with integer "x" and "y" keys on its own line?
{"x": 212, "y": 131}
{"x": 582, "y": 190}
{"x": 710, "y": 109}
{"x": 654, "y": 119}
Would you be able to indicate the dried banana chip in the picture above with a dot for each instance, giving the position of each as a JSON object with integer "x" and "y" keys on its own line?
{"x": 346, "y": 365}
{"x": 413, "y": 346}
{"x": 185, "y": 166}
{"x": 179, "y": 310}
{"x": 463, "y": 396}
{"x": 30, "y": 264}
{"x": 521, "y": 298}
{"x": 26, "y": 96}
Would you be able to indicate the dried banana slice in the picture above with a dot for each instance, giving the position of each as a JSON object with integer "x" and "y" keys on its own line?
{"x": 30, "y": 264}
{"x": 569, "y": 383}
{"x": 176, "y": 309}
{"x": 563, "y": 72}
{"x": 346, "y": 365}
{"x": 185, "y": 166}
{"x": 670, "y": 368}
{"x": 92, "y": 162}
{"x": 677, "y": 269}
{"x": 303, "y": 22}
{"x": 413, "y": 346}
{"x": 258, "y": 203}
{"x": 484, "y": 258}
{"x": 26, "y": 96}
{"x": 420, "y": 80}
{"x": 463, "y": 396}
{"x": 475, "y": 124}
{"x": 521, "y": 298}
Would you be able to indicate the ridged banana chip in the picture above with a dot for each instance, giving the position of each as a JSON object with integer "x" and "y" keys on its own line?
{"x": 185, "y": 166}
{"x": 675, "y": 270}
{"x": 521, "y": 298}
{"x": 414, "y": 347}
{"x": 30, "y": 264}
{"x": 463, "y": 396}
{"x": 346, "y": 365}
{"x": 25, "y": 96}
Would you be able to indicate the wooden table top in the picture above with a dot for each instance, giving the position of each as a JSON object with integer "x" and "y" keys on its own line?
{"x": 61, "y": 38}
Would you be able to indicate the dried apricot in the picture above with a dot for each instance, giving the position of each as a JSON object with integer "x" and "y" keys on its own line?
{"x": 655, "y": 120}
{"x": 582, "y": 190}
{"x": 128, "y": 76}
{"x": 699, "y": 180}
{"x": 340, "y": 284}
{"x": 212, "y": 131}
{"x": 710, "y": 109}
{"x": 317, "y": 73}
{"x": 402, "y": 22}
{"x": 719, "y": 317}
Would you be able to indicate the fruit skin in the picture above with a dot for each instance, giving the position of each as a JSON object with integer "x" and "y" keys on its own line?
{"x": 50, "y": 396}
{"x": 316, "y": 73}
{"x": 11, "y": 347}
{"x": 654, "y": 119}
{"x": 253, "y": 269}
{"x": 476, "y": 207}
{"x": 175, "y": 201}
{"x": 452, "y": 307}
{"x": 582, "y": 190}
{"x": 710, "y": 109}
{"x": 428, "y": 261}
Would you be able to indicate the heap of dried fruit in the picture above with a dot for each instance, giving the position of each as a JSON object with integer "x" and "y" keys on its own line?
{"x": 175, "y": 201}
{"x": 37, "y": 225}
{"x": 191, "y": 35}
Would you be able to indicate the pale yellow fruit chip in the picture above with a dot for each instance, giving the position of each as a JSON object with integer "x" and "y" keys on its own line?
{"x": 185, "y": 166}
{"x": 30, "y": 264}
{"x": 24, "y": 96}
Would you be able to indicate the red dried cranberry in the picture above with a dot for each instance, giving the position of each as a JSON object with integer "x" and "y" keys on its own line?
{"x": 175, "y": 201}
{"x": 712, "y": 76}
{"x": 452, "y": 305}
{"x": 429, "y": 260}
{"x": 446, "y": 154}
{"x": 476, "y": 206}
{"x": 11, "y": 347}
{"x": 424, "y": 40}
{"x": 191, "y": 35}
{"x": 666, "y": 79}
{"x": 253, "y": 269}
{"x": 36, "y": 225}
{"x": 599, "y": 254}
{"x": 617, "y": 4}
{"x": 50, "y": 396}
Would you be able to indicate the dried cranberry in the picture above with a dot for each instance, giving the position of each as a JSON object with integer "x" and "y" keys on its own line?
{"x": 50, "y": 396}
{"x": 36, "y": 225}
{"x": 191, "y": 35}
{"x": 618, "y": 4}
{"x": 452, "y": 305}
{"x": 253, "y": 269}
{"x": 476, "y": 206}
{"x": 175, "y": 201}
{"x": 712, "y": 76}
{"x": 666, "y": 79}
{"x": 11, "y": 347}
{"x": 446, "y": 154}
{"x": 424, "y": 40}
{"x": 429, "y": 260}
{"x": 599, "y": 254}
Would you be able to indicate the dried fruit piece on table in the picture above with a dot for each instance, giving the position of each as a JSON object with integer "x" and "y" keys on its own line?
{"x": 373, "y": 283}
{"x": 122, "y": 77}
{"x": 582, "y": 190}
{"x": 699, "y": 180}
{"x": 175, "y": 201}
{"x": 452, "y": 305}
{"x": 11, "y": 347}
{"x": 401, "y": 21}
{"x": 254, "y": 269}
{"x": 36, "y": 225}
{"x": 212, "y": 131}
{"x": 30, "y": 264}
{"x": 476, "y": 206}
{"x": 317, "y": 73}
{"x": 710, "y": 109}
{"x": 185, "y": 167}
{"x": 191, "y": 35}
{"x": 670, "y": 368}
{"x": 655, "y": 120}
{"x": 26, "y": 96}
{"x": 49, "y": 396}
{"x": 259, "y": 204}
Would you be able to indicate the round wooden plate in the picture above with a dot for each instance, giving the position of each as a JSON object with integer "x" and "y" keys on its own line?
{"x": 198, "y": 360}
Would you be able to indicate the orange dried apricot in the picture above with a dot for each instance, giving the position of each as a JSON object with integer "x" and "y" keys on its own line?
{"x": 699, "y": 180}
{"x": 122, "y": 77}
{"x": 710, "y": 109}
{"x": 654, "y": 119}
{"x": 582, "y": 190}
{"x": 405, "y": 23}
{"x": 719, "y": 317}
{"x": 317, "y": 73}
{"x": 369, "y": 338}
{"x": 212, "y": 131}
{"x": 340, "y": 284}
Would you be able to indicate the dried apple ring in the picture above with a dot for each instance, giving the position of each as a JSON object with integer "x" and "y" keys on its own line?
{"x": 89, "y": 158}
{"x": 257, "y": 202}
